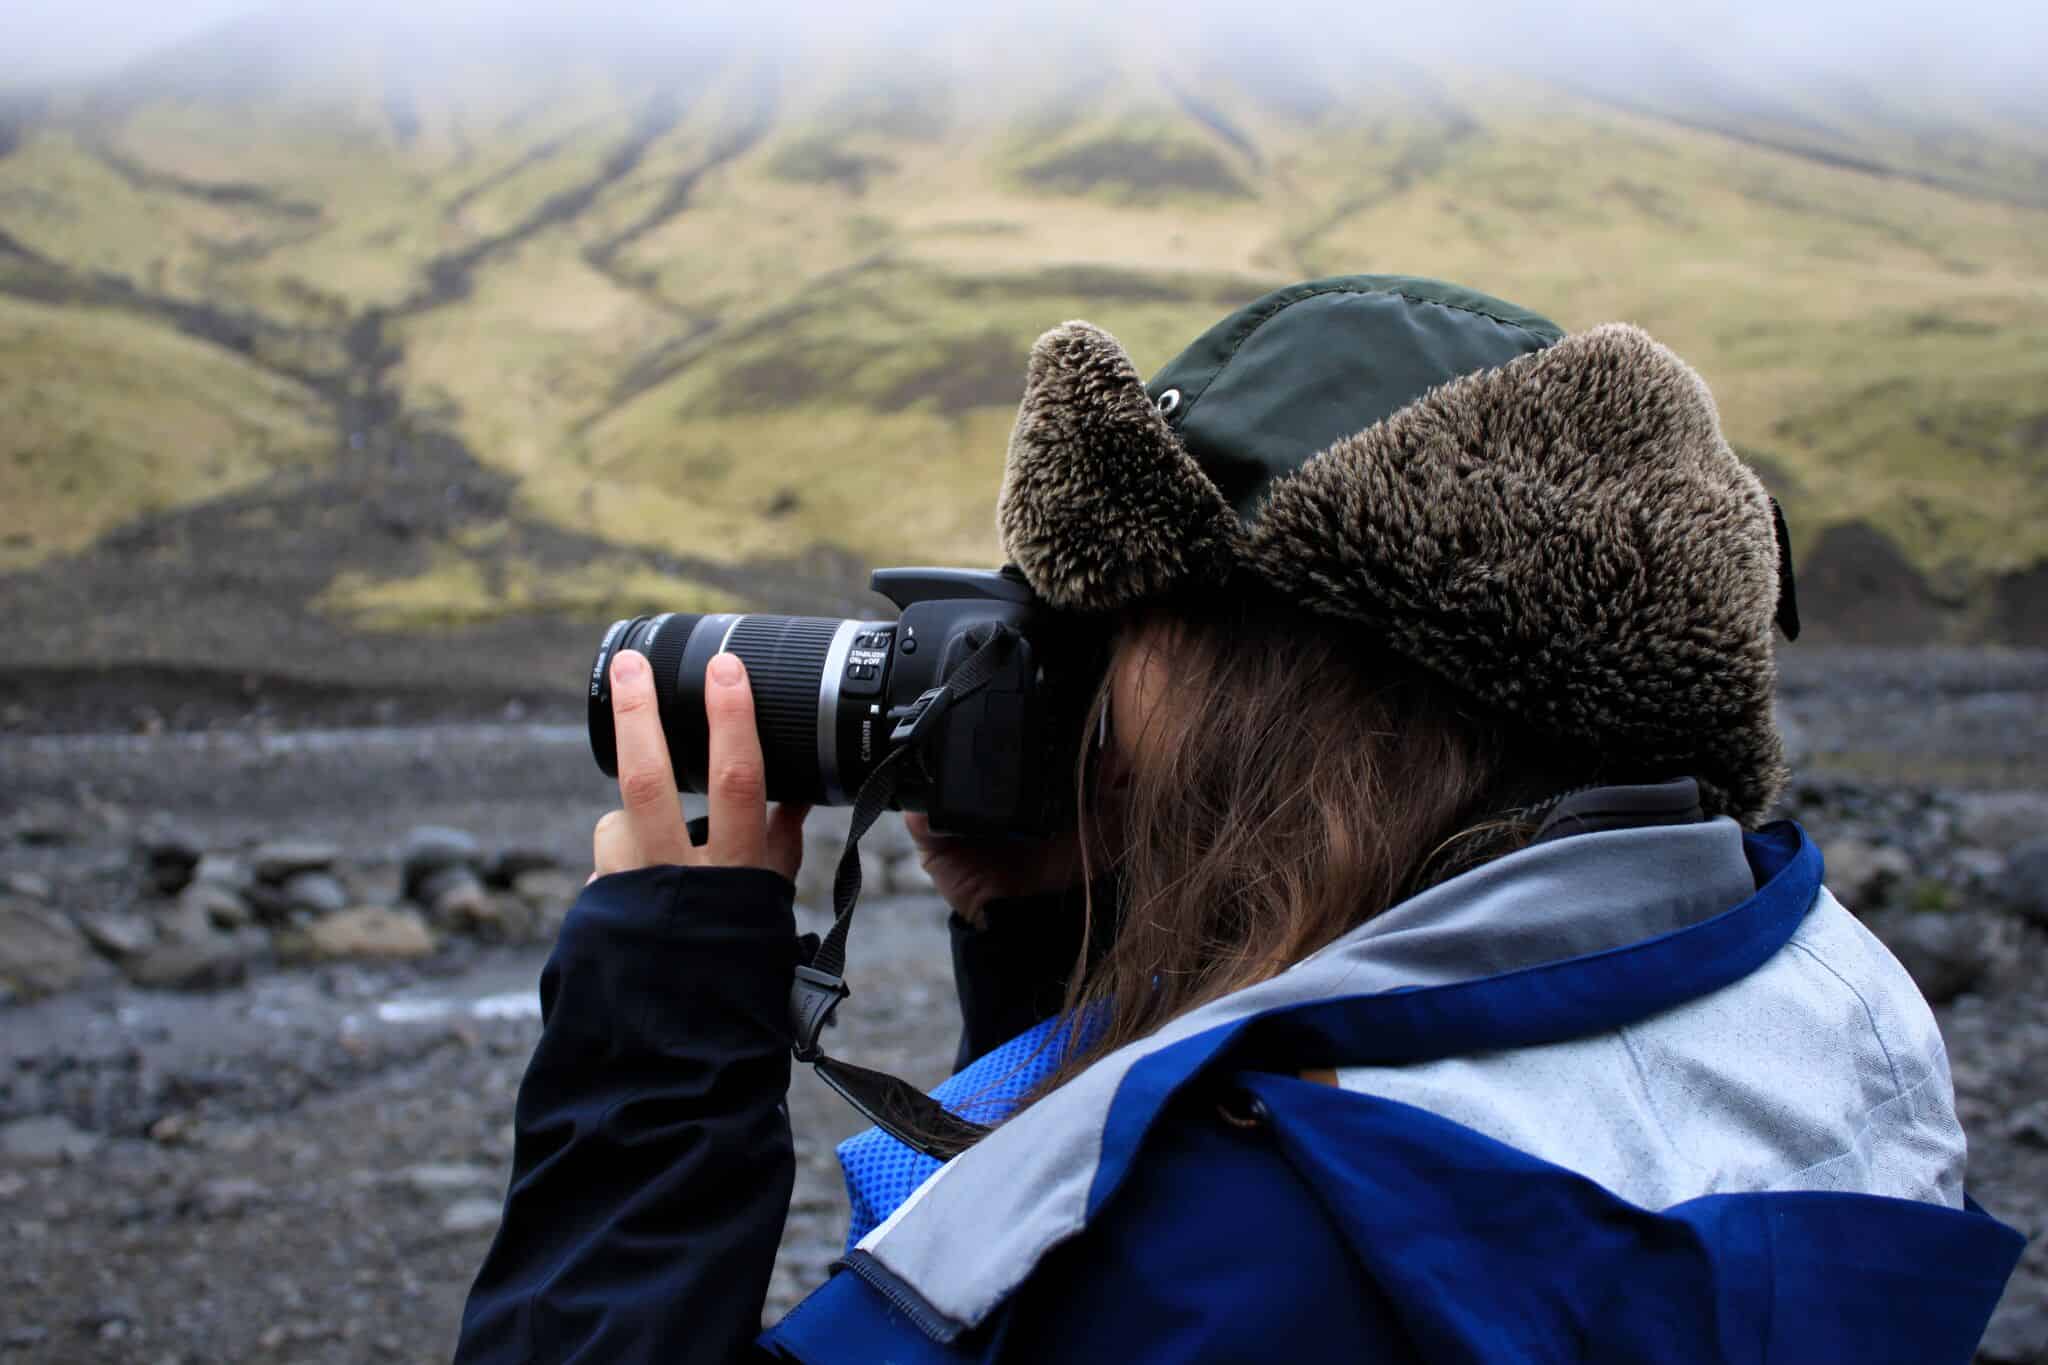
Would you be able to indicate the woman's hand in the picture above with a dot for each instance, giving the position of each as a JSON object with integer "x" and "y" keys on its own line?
{"x": 969, "y": 873}
{"x": 648, "y": 831}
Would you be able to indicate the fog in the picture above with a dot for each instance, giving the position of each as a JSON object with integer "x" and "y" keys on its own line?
{"x": 1994, "y": 48}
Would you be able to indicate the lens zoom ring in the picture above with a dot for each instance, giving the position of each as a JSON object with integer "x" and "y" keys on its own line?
{"x": 785, "y": 658}
{"x": 665, "y": 659}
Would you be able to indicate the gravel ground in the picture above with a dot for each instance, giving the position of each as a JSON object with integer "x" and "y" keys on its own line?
{"x": 307, "y": 1165}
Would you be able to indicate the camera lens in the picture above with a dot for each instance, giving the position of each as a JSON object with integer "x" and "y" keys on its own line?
{"x": 793, "y": 665}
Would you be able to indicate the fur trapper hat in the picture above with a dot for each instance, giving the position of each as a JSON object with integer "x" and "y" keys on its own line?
{"x": 1554, "y": 524}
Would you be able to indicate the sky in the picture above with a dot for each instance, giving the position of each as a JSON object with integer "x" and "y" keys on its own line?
{"x": 2001, "y": 43}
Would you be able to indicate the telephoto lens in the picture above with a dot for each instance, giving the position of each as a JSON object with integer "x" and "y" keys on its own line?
{"x": 796, "y": 666}
{"x": 988, "y": 685}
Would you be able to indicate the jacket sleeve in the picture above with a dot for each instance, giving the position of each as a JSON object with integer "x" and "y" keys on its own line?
{"x": 1011, "y": 970}
{"x": 652, "y": 1160}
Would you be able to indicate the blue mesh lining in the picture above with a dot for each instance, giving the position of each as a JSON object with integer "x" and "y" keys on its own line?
{"x": 881, "y": 1172}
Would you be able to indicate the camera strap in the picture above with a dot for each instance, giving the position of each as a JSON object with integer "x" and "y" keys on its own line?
{"x": 891, "y": 1103}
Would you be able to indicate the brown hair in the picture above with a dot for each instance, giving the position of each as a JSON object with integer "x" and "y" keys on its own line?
{"x": 1298, "y": 782}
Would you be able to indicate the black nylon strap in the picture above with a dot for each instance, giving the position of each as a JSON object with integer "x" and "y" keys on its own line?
{"x": 889, "y": 1102}
{"x": 875, "y": 794}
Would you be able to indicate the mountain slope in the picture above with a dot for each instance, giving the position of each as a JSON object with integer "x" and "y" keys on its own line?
{"x": 728, "y": 324}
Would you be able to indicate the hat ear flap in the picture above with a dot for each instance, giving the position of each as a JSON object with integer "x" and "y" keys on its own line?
{"x": 1101, "y": 504}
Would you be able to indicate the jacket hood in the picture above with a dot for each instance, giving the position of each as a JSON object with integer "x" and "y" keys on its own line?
{"x": 1622, "y": 931}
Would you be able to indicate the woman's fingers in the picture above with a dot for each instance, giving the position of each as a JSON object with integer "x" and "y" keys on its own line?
{"x": 612, "y": 846}
{"x": 738, "y": 781}
{"x": 785, "y": 850}
{"x": 647, "y": 784}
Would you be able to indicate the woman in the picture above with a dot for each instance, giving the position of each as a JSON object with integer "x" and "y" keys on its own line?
{"x": 1435, "y": 1004}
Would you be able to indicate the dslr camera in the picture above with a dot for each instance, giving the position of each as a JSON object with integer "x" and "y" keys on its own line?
{"x": 834, "y": 698}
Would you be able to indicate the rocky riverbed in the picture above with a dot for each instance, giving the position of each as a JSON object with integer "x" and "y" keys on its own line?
{"x": 270, "y": 991}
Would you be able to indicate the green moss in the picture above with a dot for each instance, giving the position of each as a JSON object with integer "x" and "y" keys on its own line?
{"x": 1135, "y": 169}
{"x": 824, "y": 161}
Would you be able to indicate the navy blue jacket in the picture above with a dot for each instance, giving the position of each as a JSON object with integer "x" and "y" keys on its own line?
{"x": 1238, "y": 1213}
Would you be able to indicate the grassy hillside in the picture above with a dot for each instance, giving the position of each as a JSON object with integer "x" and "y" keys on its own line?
{"x": 708, "y": 316}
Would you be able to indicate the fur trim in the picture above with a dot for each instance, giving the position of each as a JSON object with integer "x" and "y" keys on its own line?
{"x": 1101, "y": 506}
{"x": 1570, "y": 538}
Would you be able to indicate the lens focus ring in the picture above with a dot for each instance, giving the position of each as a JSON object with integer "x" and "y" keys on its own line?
{"x": 785, "y": 659}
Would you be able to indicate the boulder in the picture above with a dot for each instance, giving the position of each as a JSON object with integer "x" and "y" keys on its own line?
{"x": 118, "y": 933}
{"x": 46, "y": 824}
{"x": 2025, "y": 888}
{"x": 220, "y": 904}
{"x": 431, "y": 849}
{"x": 223, "y": 870}
{"x": 317, "y": 893}
{"x": 26, "y": 885}
{"x": 41, "y": 951}
{"x": 2018, "y": 1334}
{"x": 201, "y": 960}
{"x": 455, "y": 895}
{"x": 371, "y": 931}
{"x": 273, "y": 862}
{"x": 169, "y": 854}
{"x": 45, "y": 1140}
{"x": 1864, "y": 875}
{"x": 547, "y": 890}
{"x": 509, "y": 864}
{"x": 2002, "y": 821}
{"x": 471, "y": 1216}
{"x": 1946, "y": 954}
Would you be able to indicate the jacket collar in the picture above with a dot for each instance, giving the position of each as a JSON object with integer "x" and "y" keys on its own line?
{"x": 1555, "y": 941}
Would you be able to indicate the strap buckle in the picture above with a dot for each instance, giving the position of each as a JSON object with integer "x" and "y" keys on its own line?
{"x": 914, "y": 722}
{"x": 813, "y": 997}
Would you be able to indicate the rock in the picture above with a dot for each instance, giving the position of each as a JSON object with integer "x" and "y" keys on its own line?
{"x": 1863, "y": 875}
{"x": 228, "y": 1196}
{"x": 471, "y": 1215}
{"x": 455, "y": 895}
{"x": 2018, "y": 1335}
{"x": 45, "y": 824}
{"x": 189, "y": 961}
{"x": 440, "y": 1178}
{"x": 169, "y": 854}
{"x": 46, "y": 1140}
{"x": 274, "y": 862}
{"x": 218, "y": 903}
{"x": 503, "y": 919}
{"x": 509, "y": 864}
{"x": 222, "y": 870}
{"x": 547, "y": 890}
{"x": 26, "y": 885}
{"x": 2026, "y": 881}
{"x": 42, "y": 952}
{"x": 1978, "y": 870}
{"x": 267, "y": 902}
{"x": 2002, "y": 821}
{"x": 430, "y": 849}
{"x": 319, "y": 893}
{"x": 1946, "y": 954}
{"x": 117, "y": 933}
{"x": 2028, "y": 1127}
{"x": 371, "y": 931}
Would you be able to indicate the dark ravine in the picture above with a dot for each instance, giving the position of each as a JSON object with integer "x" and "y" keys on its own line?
{"x": 214, "y": 601}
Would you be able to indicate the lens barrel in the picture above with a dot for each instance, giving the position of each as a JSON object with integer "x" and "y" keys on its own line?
{"x": 786, "y": 659}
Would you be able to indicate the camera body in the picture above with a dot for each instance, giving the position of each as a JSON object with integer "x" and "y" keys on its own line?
{"x": 830, "y": 696}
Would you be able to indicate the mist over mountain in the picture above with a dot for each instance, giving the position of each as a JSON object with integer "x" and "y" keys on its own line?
{"x": 322, "y": 328}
